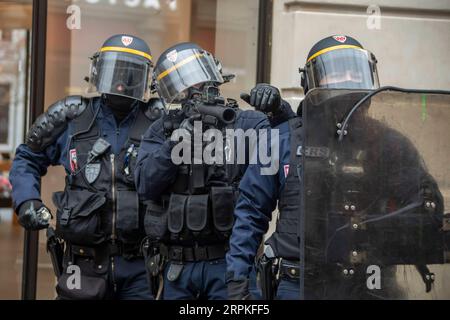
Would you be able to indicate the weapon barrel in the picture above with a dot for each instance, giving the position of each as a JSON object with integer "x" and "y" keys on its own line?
{"x": 224, "y": 114}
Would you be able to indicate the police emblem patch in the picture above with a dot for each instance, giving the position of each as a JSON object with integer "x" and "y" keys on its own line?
{"x": 92, "y": 172}
{"x": 341, "y": 39}
{"x": 172, "y": 56}
{"x": 127, "y": 41}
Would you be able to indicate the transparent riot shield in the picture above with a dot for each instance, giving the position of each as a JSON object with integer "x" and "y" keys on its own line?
{"x": 373, "y": 223}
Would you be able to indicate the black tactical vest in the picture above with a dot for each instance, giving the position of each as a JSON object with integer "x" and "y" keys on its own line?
{"x": 285, "y": 240}
{"x": 100, "y": 202}
{"x": 199, "y": 209}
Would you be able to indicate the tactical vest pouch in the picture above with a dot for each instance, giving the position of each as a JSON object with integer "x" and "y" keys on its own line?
{"x": 127, "y": 215}
{"x": 77, "y": 219}
{"x": 197, "y": 212}
{"x": 223, "y": 202}
{"x": 155, "y": 221}
{"x": 92, "y": 284}
{"x": 177, "y": 206}
{"x": 91, "y": 288}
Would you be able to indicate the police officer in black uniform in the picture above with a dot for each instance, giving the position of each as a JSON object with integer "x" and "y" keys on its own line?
{"x": 381, "y": 172}
{"x": 96, "y": 140}
{"x": 192, "y": 216}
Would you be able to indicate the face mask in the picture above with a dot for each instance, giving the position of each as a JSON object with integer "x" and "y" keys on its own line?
{"x": 120, "y": 106}
{"x": 188, "y": 94}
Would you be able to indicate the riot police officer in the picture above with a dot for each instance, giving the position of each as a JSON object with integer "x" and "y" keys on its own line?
{"x": 191, "y": 216}
{"x": 96, "y": 140}
{"x": 336, "y": 62}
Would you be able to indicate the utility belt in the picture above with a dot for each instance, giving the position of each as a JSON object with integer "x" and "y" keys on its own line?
{"x": 62, "y": 253}
{"x": 273, "y": 269}
{"x": 341, "y": 281}
{"x": 108, "y": 249}
{"x": 193, "y": 254}
{"x": 158, "y": 256}
{"x": 289, "y": 269}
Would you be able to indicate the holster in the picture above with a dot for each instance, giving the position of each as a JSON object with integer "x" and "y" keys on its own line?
{"x": 55, "y": 249}
{"x": 427, "y": 277}
{"x": 267, "y": 278}
{"x": 154, "y": 265}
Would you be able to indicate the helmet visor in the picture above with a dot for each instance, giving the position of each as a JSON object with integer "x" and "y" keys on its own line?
{"x": 120, "y": 74}
{"x": 178, "y": 71}
{"x": 343, "y": 69}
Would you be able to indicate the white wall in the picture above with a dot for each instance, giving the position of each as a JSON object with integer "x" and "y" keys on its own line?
{"x": 412, "y": 44}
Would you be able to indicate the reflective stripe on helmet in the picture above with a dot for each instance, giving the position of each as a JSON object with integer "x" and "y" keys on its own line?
{"x": 179, "y": 65}
{"x": 344, "y": 46}
{"x": 127, "y": 50}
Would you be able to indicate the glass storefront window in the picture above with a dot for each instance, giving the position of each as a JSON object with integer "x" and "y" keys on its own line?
{"x": 13, "y": 63}
{"x": 77, "y": 29}
{"x": 15, "y": 30}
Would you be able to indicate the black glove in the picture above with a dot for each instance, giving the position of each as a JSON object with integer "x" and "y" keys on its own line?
{"x": 33, "y": 215}
{"x": 188, "y": 123}
{"x": 177, "y": 120}
{"x": 264, "y": 98}
{"x": 238, "y": 290}
{"x": 172, "y": 121}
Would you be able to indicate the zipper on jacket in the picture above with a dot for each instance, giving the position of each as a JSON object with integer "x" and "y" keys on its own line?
{"x": 114, "y": 198}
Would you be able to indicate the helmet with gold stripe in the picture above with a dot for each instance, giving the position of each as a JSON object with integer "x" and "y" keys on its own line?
{"x": 340, "y": 62}
{"x": 184, "y": 67}
{"x": 122, "y": 67}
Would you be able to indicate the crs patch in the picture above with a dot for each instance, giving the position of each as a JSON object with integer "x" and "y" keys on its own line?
{"x": 341, "y": 39}
{"x": 127, "y": 40}
{"x": 172, "y": 56}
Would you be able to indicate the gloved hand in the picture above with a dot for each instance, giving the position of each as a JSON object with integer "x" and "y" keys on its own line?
{"x": 171, "y": 122}
{"x": 264, "y": 98}
{"x": 188, "y": 123}
{"x": 177, "y": 120}
{"x": 238, "y": 290}
{"x": 33, "y": 215}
